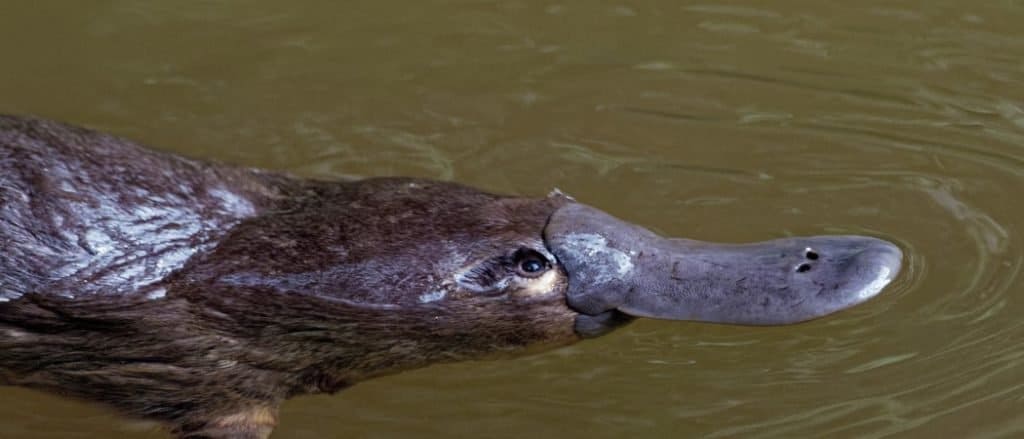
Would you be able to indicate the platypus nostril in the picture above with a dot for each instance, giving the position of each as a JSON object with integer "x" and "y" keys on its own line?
{"x": 803, "y": 268}
{"x": 811, "y": 254}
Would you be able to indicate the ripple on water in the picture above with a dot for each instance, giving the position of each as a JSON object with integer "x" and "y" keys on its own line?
{"x": 943, "y": 343}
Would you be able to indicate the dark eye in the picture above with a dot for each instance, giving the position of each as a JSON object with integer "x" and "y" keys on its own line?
{"x": 531, "y": 263}
{"x": 531, "y": 266}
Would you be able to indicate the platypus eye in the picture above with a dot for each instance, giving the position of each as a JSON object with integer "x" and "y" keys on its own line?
{"x": 494, "y": 276}
{"x": 529, "y": 263}
{"x": 531, "y": 266}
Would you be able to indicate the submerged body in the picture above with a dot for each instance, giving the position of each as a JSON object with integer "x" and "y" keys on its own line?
{"x": 204, "y": 295}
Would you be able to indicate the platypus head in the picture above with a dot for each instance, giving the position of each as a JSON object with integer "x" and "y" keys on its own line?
{"x": 616, "y": 268}
{"x": 422, "y": 271}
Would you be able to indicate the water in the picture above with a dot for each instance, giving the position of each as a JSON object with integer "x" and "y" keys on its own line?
{"x": 719, "y": 121}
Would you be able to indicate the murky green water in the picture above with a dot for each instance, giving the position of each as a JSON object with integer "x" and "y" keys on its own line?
{"x": 719, "y": 121}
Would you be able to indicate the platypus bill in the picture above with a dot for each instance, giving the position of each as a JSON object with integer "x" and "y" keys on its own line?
{"x": 202, "y": 296}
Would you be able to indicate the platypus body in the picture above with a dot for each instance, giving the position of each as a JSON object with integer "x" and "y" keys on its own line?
{"x": 204, "y": 295}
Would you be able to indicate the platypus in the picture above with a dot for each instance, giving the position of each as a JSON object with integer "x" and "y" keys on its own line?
{"x": 203, "y": 295}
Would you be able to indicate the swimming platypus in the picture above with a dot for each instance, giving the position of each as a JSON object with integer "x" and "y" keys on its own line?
{"x": 203, "y": 295}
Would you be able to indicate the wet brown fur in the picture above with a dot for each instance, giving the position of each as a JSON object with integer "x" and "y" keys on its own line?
{"x": 307, "y": 287}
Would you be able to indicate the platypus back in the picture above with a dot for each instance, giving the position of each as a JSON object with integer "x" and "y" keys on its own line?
{"x": 87, "y": 213}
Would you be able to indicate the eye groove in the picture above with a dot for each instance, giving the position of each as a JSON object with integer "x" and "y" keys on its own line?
{"x": 530, "y": 263}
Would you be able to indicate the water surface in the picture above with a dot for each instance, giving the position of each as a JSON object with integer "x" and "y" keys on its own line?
{"x": 727, "y": 121}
